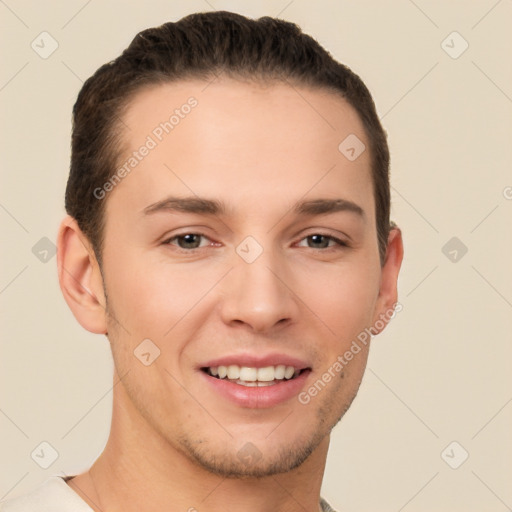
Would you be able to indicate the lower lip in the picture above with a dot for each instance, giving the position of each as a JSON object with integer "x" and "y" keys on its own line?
{"x": 258, "y": 397}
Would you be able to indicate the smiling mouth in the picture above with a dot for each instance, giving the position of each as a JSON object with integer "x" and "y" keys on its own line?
{"x": 252, "y": 376}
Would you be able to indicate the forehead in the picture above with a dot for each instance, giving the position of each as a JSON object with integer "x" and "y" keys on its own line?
{"x": 253, "y": 140}
{"x": 231, "y": 105}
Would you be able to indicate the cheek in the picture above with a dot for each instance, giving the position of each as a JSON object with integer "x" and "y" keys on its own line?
{"x": 151, "y": 296}
{"x": 343, "y": 297}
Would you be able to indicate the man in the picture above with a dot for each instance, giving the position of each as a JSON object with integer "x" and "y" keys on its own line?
{"x": 229, "y": 233}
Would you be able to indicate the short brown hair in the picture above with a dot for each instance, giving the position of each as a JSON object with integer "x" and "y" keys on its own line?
{"x": 202, "y": 45}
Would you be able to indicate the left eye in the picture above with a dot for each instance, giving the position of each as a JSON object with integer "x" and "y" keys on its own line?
{"x": 322, "y": 241}
{"x": 187, "y": 241}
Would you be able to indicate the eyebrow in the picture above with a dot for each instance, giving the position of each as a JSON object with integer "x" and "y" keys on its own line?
{"x": 205, "y": 206}
{"x": 326, "y": 206}
{"x": 188, "y": 205}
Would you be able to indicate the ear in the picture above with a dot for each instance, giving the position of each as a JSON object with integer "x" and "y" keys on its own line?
{"x": 388, "y": 294}
{"x": 80, "y": 278}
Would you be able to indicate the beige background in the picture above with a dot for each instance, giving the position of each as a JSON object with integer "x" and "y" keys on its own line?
{"x": 440, "y": 373}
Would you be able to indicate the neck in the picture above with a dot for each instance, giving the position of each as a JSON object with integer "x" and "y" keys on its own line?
{"x": 139, "y": 470}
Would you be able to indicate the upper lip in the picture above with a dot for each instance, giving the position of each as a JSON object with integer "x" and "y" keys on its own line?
{"x": 256, "y": 361}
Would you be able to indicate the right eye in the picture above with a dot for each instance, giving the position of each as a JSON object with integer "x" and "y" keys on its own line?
{"x": 187, "y": 241}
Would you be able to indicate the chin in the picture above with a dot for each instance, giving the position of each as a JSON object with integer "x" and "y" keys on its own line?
{"x": 256, "y": 458}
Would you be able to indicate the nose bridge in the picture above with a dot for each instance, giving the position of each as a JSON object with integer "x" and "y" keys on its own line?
{"x": 257, "y": 293}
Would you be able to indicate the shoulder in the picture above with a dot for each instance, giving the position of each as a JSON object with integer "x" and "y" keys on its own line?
{"x": 53, "y": 495}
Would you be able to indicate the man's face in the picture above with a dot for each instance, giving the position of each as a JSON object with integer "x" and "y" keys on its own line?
{"x": 256, "y": 285}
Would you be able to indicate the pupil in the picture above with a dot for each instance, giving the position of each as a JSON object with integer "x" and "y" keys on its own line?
{"x": 189, "y": 240}
{"x": 317, "y": 240}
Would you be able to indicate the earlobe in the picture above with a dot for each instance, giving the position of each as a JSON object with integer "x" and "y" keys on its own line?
{"x": 388, "y": 293}
{"x": 80, "y": 278}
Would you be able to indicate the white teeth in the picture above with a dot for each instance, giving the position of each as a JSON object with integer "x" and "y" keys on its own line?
{"x": 279, "y": 371}
{"x": 246, "y": 375}
{"x": 249, "y": 374}
{"x": 288, "y": 373}
{"x": 266, "y": 374}
{"x": 255, "y": 384}
{"x": 233, "y": 371}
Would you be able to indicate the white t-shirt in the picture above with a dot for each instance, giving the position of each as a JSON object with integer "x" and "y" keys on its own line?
{"x": 55, "y": 495}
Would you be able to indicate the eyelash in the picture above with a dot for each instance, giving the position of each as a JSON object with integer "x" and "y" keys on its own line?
{"x": 339, "y": 243}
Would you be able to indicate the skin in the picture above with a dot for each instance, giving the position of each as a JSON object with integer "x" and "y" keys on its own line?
{"x": 259, "y": 149}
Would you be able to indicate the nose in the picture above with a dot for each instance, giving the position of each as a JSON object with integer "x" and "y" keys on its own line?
{"x": 259, "y": 295}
